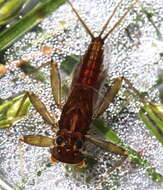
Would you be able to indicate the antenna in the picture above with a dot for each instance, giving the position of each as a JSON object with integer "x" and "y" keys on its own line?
{"x": 82, "y": 22}
{"x": 108, "y": 21}
{"x": 120, "y": 20}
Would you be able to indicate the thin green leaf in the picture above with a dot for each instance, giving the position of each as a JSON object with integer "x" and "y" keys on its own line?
{"x": 155, "y": 176}
{"x": 10, "y": 9}
{"x": 5, "y": 104}
{"x": 8, "y": 111}
{"x": 35, "y": 16}
{"x": 149, "y": 16}
{"x": 159, "y": 83}
{"x": 160, "y": 79}
{"x": 153, "y": 123}
{"x": 157, "y": 114}
{"x": 108, "y": 133}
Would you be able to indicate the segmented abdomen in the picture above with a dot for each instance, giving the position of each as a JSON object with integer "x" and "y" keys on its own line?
{"x": 91, "y": 66}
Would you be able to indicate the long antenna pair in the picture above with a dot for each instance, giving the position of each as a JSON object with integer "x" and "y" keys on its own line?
{"x": 108, "y": 21}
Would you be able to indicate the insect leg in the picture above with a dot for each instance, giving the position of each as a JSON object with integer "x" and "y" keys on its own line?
{"x": 117, "y": 164}
{"x": 108, "y": 146}
{"x": 111, "y": 93}
{"x": 108, "y": 97}
{"x": 143, "y": 100}
{"x": 38, "y": 140}
{"x": 38, "y": 68}
{"x": 55, "y": 80}
{"x": 55, "y": 83}
{"x": 40, "y": 107}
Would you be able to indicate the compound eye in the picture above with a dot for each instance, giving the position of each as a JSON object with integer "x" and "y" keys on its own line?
{"x": 79, "y": 144}
{"x": 60, "y": 141}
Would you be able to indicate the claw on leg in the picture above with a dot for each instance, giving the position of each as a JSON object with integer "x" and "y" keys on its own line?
{"x": 52, "y": 160}
{"x": 81, "y": 164}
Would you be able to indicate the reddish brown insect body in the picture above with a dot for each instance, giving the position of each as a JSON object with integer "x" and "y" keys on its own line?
{"x": 78, "y": 111}
{"x": 91, "y": 66}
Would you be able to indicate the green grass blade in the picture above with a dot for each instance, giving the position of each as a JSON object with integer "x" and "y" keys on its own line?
{"x": 108, "y": 133}
{"x": 10, "y": 9}
{"x": 8, "y": 111}
{"x": 151, "y": 122}
{"x": 35, "y": 16}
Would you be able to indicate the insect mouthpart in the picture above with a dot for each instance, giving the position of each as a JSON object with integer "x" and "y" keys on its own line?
{"x": 66, "y": 155}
